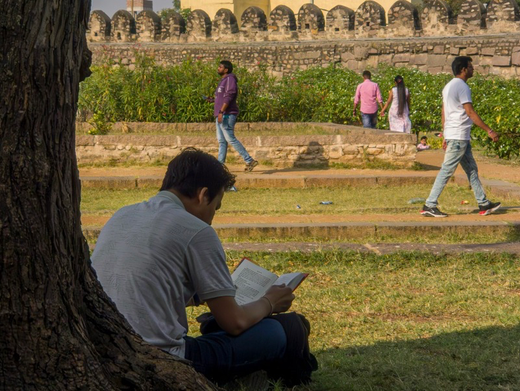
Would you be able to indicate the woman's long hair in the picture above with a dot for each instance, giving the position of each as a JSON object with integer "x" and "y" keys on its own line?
{"x": 401, "y": 95}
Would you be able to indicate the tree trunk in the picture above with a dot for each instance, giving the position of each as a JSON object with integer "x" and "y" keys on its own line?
{"x": 58, "y": 330}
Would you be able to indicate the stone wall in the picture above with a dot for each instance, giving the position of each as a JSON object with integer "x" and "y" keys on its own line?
{"x": 491, "y": 54}
{"x": 346, "y": 144}
{"x": 370, "y": 19}
{"x": 286, "y": 40}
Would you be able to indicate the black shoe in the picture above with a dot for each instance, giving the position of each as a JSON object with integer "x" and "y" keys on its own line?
{"x": 432, "y": 212}
{"x": 249, "y": 166}
{"x": 489, "y": 208}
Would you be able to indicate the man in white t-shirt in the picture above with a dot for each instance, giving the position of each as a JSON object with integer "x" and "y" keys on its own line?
{"x": 458, "y": 116}
{"x": 156, "y": 257}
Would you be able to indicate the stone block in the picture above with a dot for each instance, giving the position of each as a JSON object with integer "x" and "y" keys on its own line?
{"x": 435, "y": 60}
{"x": 515, "y": 59}
{"x": 489, "y": 51}
{"x": 346, "y": 56}
{"x": 439, "y": 49}
{"x": 419, "y": 59}
{"x": 402, "y": 57}
{"x": 85, "y": 141}
{"x": 501, "y": 61}
{"x": 361, "y": 52}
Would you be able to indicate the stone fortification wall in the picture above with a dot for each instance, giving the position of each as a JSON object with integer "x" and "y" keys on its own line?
{"x": 350, "y": 145}
{"x": 286, "y": 40}
{"x": 497, "y": 54}
{"x": 370, "y": 19}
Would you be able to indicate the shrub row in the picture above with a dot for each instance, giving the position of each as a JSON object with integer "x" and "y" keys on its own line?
{"x": 154, "y": 93}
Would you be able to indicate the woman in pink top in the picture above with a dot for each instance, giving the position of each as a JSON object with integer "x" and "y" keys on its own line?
{"x": 399, "y": 114}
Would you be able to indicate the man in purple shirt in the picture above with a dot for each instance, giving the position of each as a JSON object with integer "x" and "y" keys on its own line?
{"x": 369, "y": 94}
{"x": 225, "y": 112}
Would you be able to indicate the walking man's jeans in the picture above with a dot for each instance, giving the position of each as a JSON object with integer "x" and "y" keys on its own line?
{"x": 369, "y": 120}
{"x": 225, "y": 135}
{"x": 457, "y": 151}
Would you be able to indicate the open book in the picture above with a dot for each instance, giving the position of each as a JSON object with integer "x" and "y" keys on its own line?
{"x": 252, "y": 281}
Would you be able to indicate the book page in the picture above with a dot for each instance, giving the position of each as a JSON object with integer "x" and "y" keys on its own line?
{"x": 291, "y": 279}
{"x": 251, "y": 281}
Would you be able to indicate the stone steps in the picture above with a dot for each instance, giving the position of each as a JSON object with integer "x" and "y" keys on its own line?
{"x": 251, "y": 181}
{"x": 349, "y": 232}
{"x": 345, "y": 230}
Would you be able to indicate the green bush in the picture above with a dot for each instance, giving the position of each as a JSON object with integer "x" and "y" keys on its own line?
{"x": 155, "y": 93}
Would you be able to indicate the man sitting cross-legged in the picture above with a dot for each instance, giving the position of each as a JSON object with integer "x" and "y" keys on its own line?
{"x": 156, "y": 257}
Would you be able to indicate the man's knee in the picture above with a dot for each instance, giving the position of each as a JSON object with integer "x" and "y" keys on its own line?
{"x": 272, "y": 337}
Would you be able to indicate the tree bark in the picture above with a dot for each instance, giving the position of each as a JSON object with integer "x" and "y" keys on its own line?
{"x": 58, "y": 330}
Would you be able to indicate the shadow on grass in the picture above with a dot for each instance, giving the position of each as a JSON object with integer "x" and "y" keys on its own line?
{"x": 481, "y": 359}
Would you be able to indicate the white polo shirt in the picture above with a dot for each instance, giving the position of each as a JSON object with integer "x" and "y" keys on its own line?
{"x": 457, "y": 124}
{"x": 151, "y": 258}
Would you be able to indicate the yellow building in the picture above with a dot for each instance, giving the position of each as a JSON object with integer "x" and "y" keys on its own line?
{"x": 239, "y": 6}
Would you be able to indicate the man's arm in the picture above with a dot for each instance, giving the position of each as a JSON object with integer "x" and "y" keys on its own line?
{"x": 357, "y": 97}
{"x": 379, "y": 97}
{"x": 443, "y": 118}
{"x": 235, "y": 319}
{"x": 470, "y": 111}
{"x": 390, "y": 98}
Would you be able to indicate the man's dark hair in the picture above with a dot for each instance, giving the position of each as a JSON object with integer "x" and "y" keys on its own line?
{"x": 193, "y": 169}
{"x": 424, "y": 138}
{"x": 367, "y": 74}
{"x": 228, "y": 66}
{"x": 459, "y": 63}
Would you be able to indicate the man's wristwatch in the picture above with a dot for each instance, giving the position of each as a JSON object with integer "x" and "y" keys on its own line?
{"x": 221, "y": 112}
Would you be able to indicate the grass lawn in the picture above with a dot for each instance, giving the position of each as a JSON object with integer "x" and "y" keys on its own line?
{"x": 276, "y": 202}
{"x": 353, "y": 204}
{"x": 407, "y": 321}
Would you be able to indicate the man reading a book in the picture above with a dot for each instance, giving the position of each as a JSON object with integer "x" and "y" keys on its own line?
{"x": 156, "y": 257}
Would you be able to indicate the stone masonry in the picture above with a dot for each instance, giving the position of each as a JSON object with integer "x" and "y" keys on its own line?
{"x": 284, "y": 40}
{"x": 346, "y": 144}
{"x": 491, "y": 55}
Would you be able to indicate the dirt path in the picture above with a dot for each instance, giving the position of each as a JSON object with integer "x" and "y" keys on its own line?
{"x": 509, "y": 214}
{"x": 431, "y": 160}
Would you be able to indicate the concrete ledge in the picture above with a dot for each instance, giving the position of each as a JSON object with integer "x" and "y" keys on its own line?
{"x": 334, "y": 231}
{"x": 262, "y": 181}
{"x": 377, "y": 248}
{"x": 109, "y": 183}
{"x": 437, "y": 228}
{"x": 496, "y": 187}
{"x": 345, "y": 232}
{"x": 252, "y": 181}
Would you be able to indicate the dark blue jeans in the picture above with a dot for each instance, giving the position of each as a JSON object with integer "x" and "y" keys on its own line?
{"x": 222, "y": 357}
{"x": 369, "y": 120}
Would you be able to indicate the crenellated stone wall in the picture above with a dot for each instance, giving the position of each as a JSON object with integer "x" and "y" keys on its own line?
{"x": 284, "y": 41}
{"x": 309, "y": 22}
